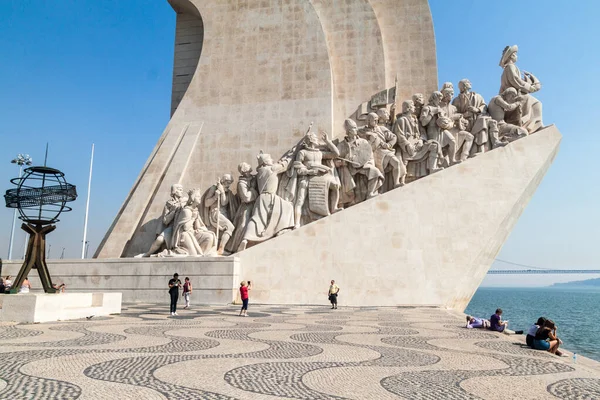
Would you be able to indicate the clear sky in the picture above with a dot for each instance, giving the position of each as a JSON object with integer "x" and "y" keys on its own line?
{"x": 75, "y": 73}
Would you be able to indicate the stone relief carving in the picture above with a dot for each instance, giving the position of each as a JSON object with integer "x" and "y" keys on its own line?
{"x": 320, "y": 176}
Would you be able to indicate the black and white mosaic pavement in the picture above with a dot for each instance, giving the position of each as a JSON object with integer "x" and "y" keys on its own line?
{"x": 280, "y": 352}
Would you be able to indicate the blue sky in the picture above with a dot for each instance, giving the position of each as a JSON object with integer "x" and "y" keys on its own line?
{"x": 75, "y": 73}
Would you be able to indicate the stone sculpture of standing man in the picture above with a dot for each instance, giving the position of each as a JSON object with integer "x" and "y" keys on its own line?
{"x": 218, "y": 207}
{"x": 413, "y": 144}
{"x": 356, "y": 158}
{"x": 247, "y": 194}
{"x": 309, "y": 167}
{"x": 382, "y": 142}
{"x": 437, "y": 124}
{"x": 272, "y": 215}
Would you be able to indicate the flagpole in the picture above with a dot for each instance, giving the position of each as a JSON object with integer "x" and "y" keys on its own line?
{"x": 87, "y": 206}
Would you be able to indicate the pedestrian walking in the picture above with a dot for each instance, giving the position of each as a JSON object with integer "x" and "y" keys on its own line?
{"x": 333, "y": 294}
{"x": 244, "y": 288}
{"x": 187, "y": 291}
{"x": 174, "y": 285}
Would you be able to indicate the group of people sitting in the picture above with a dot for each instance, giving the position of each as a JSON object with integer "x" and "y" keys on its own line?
{"x": 495, "y": 323}
{"x": 540, "y": 336}
{"x": 7, "y": 283}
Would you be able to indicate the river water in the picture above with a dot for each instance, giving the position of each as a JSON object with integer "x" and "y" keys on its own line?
{"x": 576, "y": 311}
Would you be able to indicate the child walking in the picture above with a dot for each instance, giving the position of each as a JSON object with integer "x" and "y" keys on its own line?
{"x": 244, "y": 288}
{"x": 187, "y": 291}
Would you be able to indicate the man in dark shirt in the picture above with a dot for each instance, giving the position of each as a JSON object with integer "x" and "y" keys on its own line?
{"x": 174, "y": 285}
{"x": 496, "y": 323}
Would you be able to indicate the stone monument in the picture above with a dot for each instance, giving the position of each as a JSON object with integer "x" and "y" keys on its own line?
{"x": 403, "y": 210}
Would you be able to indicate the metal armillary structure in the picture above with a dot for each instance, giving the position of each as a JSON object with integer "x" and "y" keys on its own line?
{"x": 41, "y": 195}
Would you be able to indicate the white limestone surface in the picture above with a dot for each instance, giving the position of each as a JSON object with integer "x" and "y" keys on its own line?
{"x": 215, "y": 280}
{"x": 43, "y": 307}
{"x": 430, "y": 242}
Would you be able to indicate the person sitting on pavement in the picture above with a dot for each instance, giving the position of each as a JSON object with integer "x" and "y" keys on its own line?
{"x": 496, "y": 324}
{"x": 473, "y": 322}
{"x": 25, "y": 286}
{"x": 546, "y": 339}
{"x": 533, "y": 330}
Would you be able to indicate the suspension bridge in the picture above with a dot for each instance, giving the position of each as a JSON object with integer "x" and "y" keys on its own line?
{"x": 529, "y": 269}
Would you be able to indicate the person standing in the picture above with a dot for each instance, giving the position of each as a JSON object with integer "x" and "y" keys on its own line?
{"x": 244, "y": 288}
{"x": 174, "y": 285}
{"x": 333, "y": 294}
{"x": 187, "y": 291}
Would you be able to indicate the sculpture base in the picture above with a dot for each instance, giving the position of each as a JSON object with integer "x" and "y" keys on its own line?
{"x": 215, "y": 280}
{"x": 33, "y": 307}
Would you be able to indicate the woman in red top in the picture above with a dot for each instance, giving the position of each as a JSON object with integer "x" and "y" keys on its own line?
{"x": 244, "y": 288}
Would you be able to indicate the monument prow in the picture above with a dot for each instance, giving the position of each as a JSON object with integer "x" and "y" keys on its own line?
{"x": 431, "y": 242}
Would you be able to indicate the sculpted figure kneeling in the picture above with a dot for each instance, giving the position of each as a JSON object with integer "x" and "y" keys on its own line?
{"x": 502, "y": 105}
{"x": 190, "y": 235}
{"x": 272, "y": 215}
{"x": 165, "y": 231}
{"x": 356, "y": 160}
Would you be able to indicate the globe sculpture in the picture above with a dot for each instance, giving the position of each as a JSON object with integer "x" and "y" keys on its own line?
{"x": 41, "y": 195}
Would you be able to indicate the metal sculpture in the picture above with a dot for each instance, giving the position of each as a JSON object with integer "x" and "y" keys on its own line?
{"x": 41, "y": 195}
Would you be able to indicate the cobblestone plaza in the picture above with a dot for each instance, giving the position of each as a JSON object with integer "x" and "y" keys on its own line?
{"x": 281, "y": 352}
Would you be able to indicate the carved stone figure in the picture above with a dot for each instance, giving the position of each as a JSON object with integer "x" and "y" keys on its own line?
{"x": 247, "y": 193}
{"x": 420, "y": 155}
{"x": 384, "y": 125}
{"x": 447, "y": 85}
{"x": 355, "y": 162}
{"x": 502, "y": 105}
{"x": 437, "y": 125}
{"x": 469, "y": 104}
{"x": 165, "y": 231}
{"x": 529, "y": 114}
{"x": 464, "y": 140}
{"x": 218, "y": 207}
{"x": 315, "y": 180}
{"x": 382, "y": 142}
{"x": 272, "y": 215}
{"x": 419, "y": 101}
{"x": 473, "y": 108}
{"x": 190, "y": 235}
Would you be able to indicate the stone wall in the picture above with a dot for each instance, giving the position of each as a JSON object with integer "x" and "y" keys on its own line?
{"x": 215, "y": 280}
